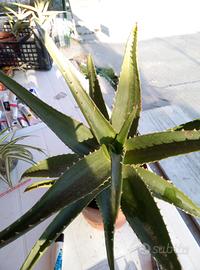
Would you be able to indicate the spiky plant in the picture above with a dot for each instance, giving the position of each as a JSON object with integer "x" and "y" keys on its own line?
{"x": 18, "y": 20}
{"x": 39, "y": 11}
{"x": 10, "y": 152}
{"x": 106, "y": 163}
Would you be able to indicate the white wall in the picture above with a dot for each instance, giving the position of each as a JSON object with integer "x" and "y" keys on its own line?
{"x": 155, "y": 17}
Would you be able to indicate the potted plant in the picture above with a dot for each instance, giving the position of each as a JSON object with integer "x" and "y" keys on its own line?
{"x": 21, "y": 44}
{"x": 106, "y": 163}
{"x": 10, "y": 152}
{"x": 16, "y": 29}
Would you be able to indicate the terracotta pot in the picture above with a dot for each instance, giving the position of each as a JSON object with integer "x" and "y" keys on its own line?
{"x": 9, "y": 40}
{"x": 9, "y": 72}
{"x": 6, "y": 35}
{"x": 93, "y": 217}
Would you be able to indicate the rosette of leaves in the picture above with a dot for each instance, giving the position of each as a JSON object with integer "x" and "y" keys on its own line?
{"x": 39, "y": 12}
{"x": 19, "y": 21}
{"x": 106, "y": 163}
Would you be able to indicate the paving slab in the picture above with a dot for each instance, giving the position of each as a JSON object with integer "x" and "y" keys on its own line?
{"x": 167, "y": 65}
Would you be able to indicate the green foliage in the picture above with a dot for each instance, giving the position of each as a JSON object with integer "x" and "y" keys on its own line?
{"x": 72, "y": 132}
{"x": 109, "y": 75}
{"x": 161, "y": 145}
{"x": 21, "y": 16}
{"x": 63, "y": 193}
{"x": 128, "y": 81}
{"x": 98, "y": 168}
{"x": 166, "y": 191}
{"x": 18, "y": 20}
{"x": 94, "y": 88}
{"x": 10, "y": 152}
{"x": 145, "y": 219}
{"x": 195, "y": 124}
{"x": 52, "y": 167}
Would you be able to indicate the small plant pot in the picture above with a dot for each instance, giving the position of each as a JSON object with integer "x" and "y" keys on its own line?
{"x": 6, "y": 36}
{"x": 93, "y": 217}
{"x": 9, "y": 72}
{"x": 25, "y": 50}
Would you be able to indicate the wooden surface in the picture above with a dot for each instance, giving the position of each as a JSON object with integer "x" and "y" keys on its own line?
{"x": 84, "y": 247}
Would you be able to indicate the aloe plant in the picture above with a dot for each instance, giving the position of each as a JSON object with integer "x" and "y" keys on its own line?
{"x": 11, "y": 151}
{"x": 106, "y": 164}
{"x": 18, "y": 20}
{"x": 39, "y": 11}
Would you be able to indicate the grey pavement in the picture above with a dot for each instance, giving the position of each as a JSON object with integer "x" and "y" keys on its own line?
{"x": 169, "y": 68}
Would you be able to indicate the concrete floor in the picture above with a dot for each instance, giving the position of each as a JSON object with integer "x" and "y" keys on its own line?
{"x": 169, "y": 45}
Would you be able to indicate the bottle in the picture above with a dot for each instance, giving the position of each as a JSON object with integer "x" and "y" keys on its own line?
{"x": 25, "y": 110}
{"x": 31, "y": 119}
{"x": 22, "y": 120}
{"x": 59, "y": 252}
{"x": 6, "y": 103}
{"x": 12, "y": 97}
{"x": 14, "y": 110}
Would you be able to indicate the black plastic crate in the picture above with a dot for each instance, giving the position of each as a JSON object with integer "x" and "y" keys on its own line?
{"x": 27, "y": 51}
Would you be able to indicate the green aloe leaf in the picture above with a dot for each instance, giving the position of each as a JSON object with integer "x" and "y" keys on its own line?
{"x": 94, "y": 88}
{"x": 128, "y": 92}
{"x": 73, "y": 133}
{"x": 60, "y": 222}
{"x": 51, "y": 167}
{"x": 116, "y": 183}
{"x": 109, "y": 202}
{"x": 166, "y": 191}
{"x": 122, "y": 136}
{"x": 41, "y": 184}
{"x": 81, "y": 179}
{"x": 105, "y": 206}
{"x": 160, "y": 145}
{"x": 195, "y": 124}
{"x": 104, "y": 200}
{"x": 145, "y": 219}
{"x": 100, "y": 127}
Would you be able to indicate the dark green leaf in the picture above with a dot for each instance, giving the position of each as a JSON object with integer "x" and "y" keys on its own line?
{"x": 51, "y": 167}
{"x": 55, "y": 228}
{"x": 160, "y": 145}
{"x": 128, "y": 92}
{"x": 105, "y": 205}
{"x": 83, "y": 178}
{"x": 73, "y": 133}
{"x": 94, "y": 88}
{"x": 109, "y": 203}
{"x": 166, "y": 191}
{"x": 145, "y": 219}
{"x": 195, "y": 124}
{"x": 122, "y": 136}
{"x": 100, "y": 127}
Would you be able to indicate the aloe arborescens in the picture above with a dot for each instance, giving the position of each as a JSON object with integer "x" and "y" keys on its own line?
{"x": 106, "y": 163}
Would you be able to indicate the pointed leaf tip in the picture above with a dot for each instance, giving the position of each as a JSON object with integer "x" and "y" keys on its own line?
{"x": 128, "y": 90}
